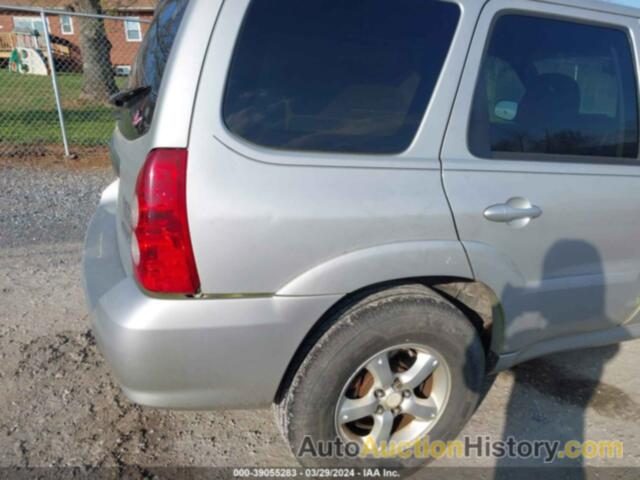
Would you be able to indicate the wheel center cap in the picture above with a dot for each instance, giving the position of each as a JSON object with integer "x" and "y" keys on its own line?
{"x": 394, "y": 400}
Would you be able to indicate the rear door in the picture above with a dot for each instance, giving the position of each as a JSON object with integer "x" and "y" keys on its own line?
{"x": 540, "y": 163}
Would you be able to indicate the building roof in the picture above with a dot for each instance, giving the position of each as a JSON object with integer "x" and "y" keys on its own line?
{"x": 621, "y": 7}
{"x": 108, "y": 5}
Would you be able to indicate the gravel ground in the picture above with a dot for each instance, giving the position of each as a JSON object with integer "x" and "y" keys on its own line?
{"x": 59, "y": 406}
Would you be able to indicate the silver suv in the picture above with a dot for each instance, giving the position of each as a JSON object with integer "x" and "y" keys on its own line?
{"x": 355, "y": 210}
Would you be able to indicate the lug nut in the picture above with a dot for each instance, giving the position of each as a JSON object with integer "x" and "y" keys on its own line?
{"x": 380, "y": 410}
{"x": 406, "y": 394}
{"x": 395, "y": 411}
{"x": 397, "y": 384}
{"x": 379, "y": 393}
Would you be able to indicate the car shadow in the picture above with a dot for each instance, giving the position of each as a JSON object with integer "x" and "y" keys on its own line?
{"x": 550, "y": 395}
{"x": 549, "y": 400}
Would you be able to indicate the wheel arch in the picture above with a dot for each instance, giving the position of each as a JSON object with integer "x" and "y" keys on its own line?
{"x": 474, "y": 299}
{"x": 380, "y": 264}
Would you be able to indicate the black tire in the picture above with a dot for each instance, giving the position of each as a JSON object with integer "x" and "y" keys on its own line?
{"x": 400, "y": 315}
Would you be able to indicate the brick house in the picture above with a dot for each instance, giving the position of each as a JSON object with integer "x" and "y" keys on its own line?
{"x": 125, "y": 36}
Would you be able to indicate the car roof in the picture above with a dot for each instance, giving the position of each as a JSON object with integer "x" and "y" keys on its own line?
{"x": 629, "y": 8}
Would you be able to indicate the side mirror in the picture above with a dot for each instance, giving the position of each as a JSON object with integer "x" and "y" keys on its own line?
{"x": 506, "y": 110}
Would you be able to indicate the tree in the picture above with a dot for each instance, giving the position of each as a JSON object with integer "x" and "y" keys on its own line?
{"x": 99, "y": 82}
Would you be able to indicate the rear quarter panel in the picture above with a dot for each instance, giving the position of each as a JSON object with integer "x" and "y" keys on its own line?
{"x": 266, "y": 221}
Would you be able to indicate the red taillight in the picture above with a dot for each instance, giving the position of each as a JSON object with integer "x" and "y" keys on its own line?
{"x": 161, "y": 249}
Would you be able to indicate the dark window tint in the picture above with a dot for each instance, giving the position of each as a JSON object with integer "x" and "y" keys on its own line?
{"x": 337, "y": 76}
{"x": 555, "y": 87}
{"x": 150, "y": 64}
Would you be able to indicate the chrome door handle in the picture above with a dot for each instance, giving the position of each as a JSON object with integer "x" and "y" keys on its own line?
{"x": 517, "y": 212}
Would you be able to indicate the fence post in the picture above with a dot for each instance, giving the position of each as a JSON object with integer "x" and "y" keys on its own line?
{"x": 54, "y": 81}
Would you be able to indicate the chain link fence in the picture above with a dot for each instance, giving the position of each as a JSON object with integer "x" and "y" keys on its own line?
{"x": 57, "y": 70}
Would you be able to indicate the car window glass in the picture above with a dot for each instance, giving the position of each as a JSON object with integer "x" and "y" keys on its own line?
{"x": 321, "y": 75}
{"x": 150, "y": 64}
{"x": 554, "y": 87}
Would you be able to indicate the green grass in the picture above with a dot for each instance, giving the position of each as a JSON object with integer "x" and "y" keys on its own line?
{"x": 28, "y": 112}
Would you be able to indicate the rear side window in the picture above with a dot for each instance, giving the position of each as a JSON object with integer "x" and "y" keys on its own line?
{"x": 150, "y": 64}
{"x": 555, "y": 87}
{"x": 337, "y": 76}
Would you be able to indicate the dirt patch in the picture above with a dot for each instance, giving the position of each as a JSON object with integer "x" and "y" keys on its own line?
{"x": 65, "y": 373}
{"x": 52, "y": 157}
{"x": 575, "y": 389}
